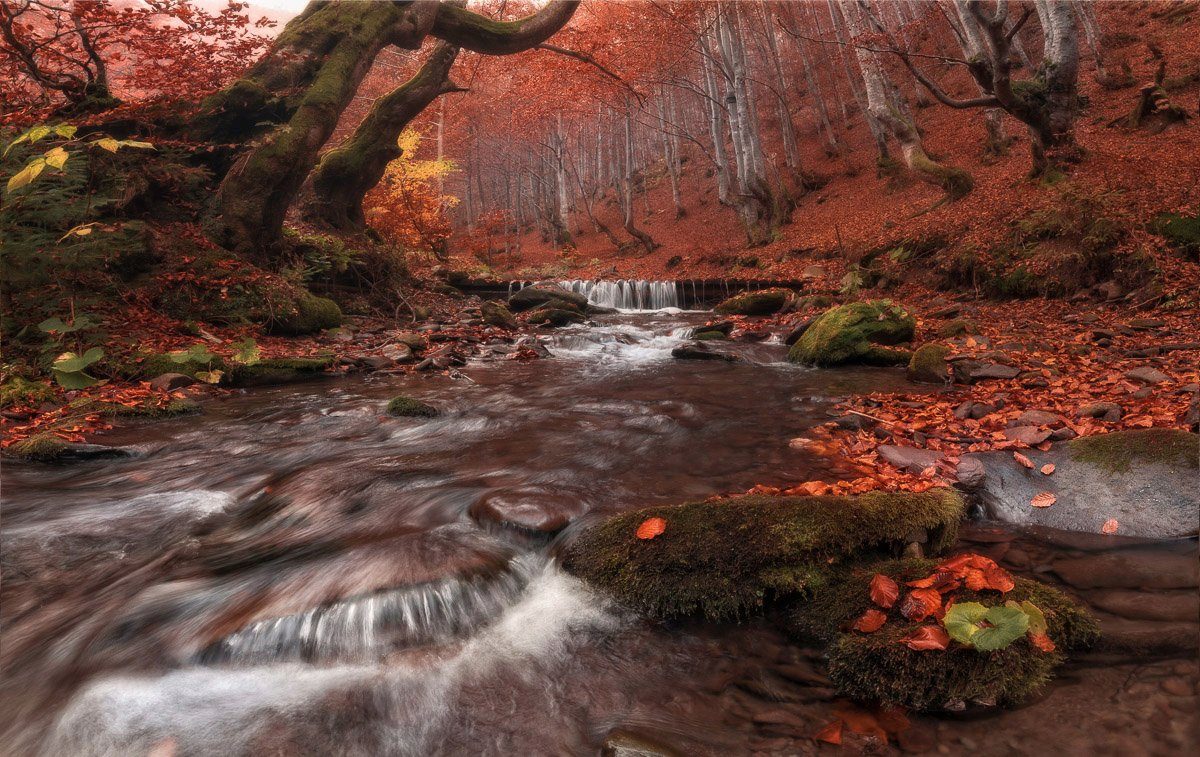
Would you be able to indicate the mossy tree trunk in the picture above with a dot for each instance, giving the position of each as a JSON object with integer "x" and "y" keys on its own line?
{"x": 344, "y": 176}
{"x": 299, "y": 89}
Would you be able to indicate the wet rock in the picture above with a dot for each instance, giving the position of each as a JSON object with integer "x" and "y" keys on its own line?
{"x": 536, "y": 512}
{"x": 376, "y": 362}
{"x": 700, "y": 351}
{"x": 1030, "y": 435}
{"x": 167, "y": 382}
{"x": 970, "y": 472}
{"x": 1037, "y": 418}
{"x": 1146, "y": 480}
{"x": 397, "y": 353}
{"x": 722, "y": 327}
{"x": 948, "y": 311}
{"x": 555, "y": 317}
{"x": 1141, "y": 638}
{"x": 1062, "y": 434}
{"x": 556, "y": 297}
{"x": 496, "y": 314}
{"x": 1105, "y": 411}
{"x": 1129, "y": 569}
{"x": 854, "y": 422}
{"x": 993, "y": 371}
{"x": 911, "y": 459}
{"x": 413, "y": 341}
{"x": 781, "y": 717}
{"x": 407, "y": 407}
{"x": 1141, "y": 605}
{"x": 974, "y": 410}
{"x": 798, "y": 330}
{"x": 761, "y": 302}
{"x": 1146, "y": 324}
{"x": 1147, "y": 375}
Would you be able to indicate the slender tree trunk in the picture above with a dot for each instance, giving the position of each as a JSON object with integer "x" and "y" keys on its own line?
{"x": 645, "y": 239}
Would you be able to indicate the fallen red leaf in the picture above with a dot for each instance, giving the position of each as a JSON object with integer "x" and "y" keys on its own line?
{"x": 831, "y": 733}
{"x": 1043, "y": 499}
{"x": 884, "y": 590}
{"x": 920, "y": 604}
{"x": 651, "y": 527}
{"x": 1025, "y": 461}
{"x": 1042, "y": 642}
{"x": 926, "y": 638}
{"x": 870, "y": 621}
{"x": 1047, "y": 469}
{"x": 1110, "y": 526}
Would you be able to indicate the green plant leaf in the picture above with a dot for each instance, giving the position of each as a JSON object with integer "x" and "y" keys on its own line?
{"x": 1007, "y": 625}
{"x": 1037, "y": 619}
{"x": 38, "y": 132}
{"x": 197, "y": 353}
{"x": 65, "y": 130}
{"x": 962, "y": 621}
{"x": 69, "y": 362}
{"x": 51, "y": 325}
{"x": 74, "y": 379}
{"x": 246, "y": 352}
{"x": 138, "y": 145}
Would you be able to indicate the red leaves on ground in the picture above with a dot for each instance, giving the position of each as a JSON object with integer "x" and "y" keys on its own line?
{"x": 651, "y": 527}
{"x": 1043, "y": 499}
{"x": 920, "y": 604}
{"x": 1047, "y": 469}
{"x": 926, "y": 638}
{"x": 1024, "y": 461}
{"x": 1042, "y": 642}
{"x": 884, "y": 590}
{"x": 870, "y": 621}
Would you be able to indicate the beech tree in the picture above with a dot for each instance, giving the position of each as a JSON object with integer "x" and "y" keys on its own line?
{"x": 290, "y": 101}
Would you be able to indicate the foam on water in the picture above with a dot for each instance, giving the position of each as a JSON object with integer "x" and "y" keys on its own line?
{"x": 627, "y": 294}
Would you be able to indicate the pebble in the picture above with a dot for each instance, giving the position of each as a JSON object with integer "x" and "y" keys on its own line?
{"x": 1178, "y": 687}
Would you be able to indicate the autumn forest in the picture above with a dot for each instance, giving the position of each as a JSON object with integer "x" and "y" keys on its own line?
{"x": 621, "y": 377}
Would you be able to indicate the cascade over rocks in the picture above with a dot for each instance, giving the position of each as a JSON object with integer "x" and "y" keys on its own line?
{"x": 856, "y": 333}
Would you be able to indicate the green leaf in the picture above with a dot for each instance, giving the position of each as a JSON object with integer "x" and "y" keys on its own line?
{"x": 1037, "y": 619}
{"x": 138, "y": 145}
{"x": 197, "y": 353}
{"x": 74, "y": 379}
{"x": 26, "y": 174}
{"x": 108, "y": 143}
{"x": 38, "y": 132}
{"x": 69, "y": 362}
{"x": 962, "y": 621}
{"x": 65, "y": 130}
{"x": 1007, "y": 625}
{"x": 246, "y": 352}
{"x": 56, "y": 157}
{"x": 50, "y": 325}
{"x": 23, "y": 138}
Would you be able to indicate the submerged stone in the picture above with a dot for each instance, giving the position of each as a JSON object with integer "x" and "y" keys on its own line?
{"x": 407, "y": 407}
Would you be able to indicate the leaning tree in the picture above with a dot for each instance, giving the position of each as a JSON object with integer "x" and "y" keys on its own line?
{"x": 288, "y": 104}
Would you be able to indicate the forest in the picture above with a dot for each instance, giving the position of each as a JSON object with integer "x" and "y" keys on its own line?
{"x": 621, "y": 377}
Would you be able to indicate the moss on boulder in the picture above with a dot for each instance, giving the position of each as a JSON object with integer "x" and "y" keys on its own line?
{"x": 928, "y": 364}
{"x": 705, "y": 336}
{"x": 309, "y": 315}
{"x": 1181, "y": 231}
{"x": 407, "y": 407}
{"x": 726, "y": 558}
{"x": 853, "y": 334}
{"x": 880, "y": 667}
{"x": 149, "y": 409}
{"x": 18, "y": 391}
{"x": 1116, "y": 452}
{"x": 44, "y": 446}
{"x": 495, "y": 314}
{"x": 280, "y": 370}
{"x": 761, "y": 302}
{"x": 553, "y": 316}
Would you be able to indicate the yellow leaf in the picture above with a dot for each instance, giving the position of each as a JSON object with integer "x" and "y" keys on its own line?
{"x": 108, "y": 143}
{"x": 26, "y": 174}
{"x": 56, "y": 158}
{"x": 139, "y": 145}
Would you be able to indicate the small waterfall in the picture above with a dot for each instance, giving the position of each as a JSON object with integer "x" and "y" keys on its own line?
{"x": 627, "y": 294}
{"x": 377, "y": 623}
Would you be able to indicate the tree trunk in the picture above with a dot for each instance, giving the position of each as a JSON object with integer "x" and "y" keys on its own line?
{"x": 645, "y": 239}
{"x": 345, "y": 174}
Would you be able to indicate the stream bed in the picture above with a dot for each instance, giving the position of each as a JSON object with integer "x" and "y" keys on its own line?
{"x": 344, "y": 582}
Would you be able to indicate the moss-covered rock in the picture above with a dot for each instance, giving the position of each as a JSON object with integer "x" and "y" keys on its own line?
{"x": 958, "y": 327}
{"x": 1118, "y": 451}
{"x": 150, "y": 365}
{"x": 44, "y": 446}
{"x": 282, "y": 370}
{"x": 149, "y": 409}
{"x": 1181, "y": 232}
{"x": 20, "y": 392}
{"x": 495, "y": 314}
{"x": 308, "y": 315}
{"x": 552, "y": 316}
{"x": 880, "y": 667}
{"x": 407, "y": 407}
{"x": 705, "y": 336}
{"x": 854, "y": 334}
{"x": 761, "y": 302}
{"x": 928, "y": 364}
{"x": 726, "y": 558}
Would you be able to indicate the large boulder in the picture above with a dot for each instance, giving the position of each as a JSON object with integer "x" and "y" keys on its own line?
{"x": 309, "y": 315}
{"x": 495, "y": 314}
{"x": 1144, "y": 479}
{"x": 856, "y": 333}
{"x": 761, "y": 302}
{"x": 700, "y": 350}
{"x": 724, "y": 558}
{"x": 547, "y": 294}
{"x": 548, "y": 315}
{"x": 928, "y": 364}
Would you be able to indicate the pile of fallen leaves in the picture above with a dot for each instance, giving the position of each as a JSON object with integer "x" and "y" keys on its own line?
{"x": 969, "y": 624}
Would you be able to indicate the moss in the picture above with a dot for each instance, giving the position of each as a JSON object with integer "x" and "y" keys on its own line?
{"x": 1117, "y": 451}
{"x": 309, "y": 315}
{"x": 277, "y": 371}
{"x": 878, "y": 667}
{"x": 928, "y": 364}
{"x": 496, "y": 314}
{"x": 853, "y": 333}
{"x": 705, "y": 336}
{"x": 815, "y": 301}
{"x": 727, "y": 558}
{"x": 44, "y": 446}
{"x": 1181, "y": 232}
{"x": 148, "y": 366}
{"x": 149, "y": 409}
{"x": 761, "y": 302}
{"x": 958, "y": 327}
{"x": 553, "y": 316}
{"x": 19, "y": 392}
{"x": 407, "y": 407}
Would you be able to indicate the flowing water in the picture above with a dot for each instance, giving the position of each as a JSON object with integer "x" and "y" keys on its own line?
{"x": 343, "y": 582}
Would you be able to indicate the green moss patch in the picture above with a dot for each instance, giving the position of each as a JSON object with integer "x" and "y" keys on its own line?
{"x": 309, "y": 315}
{"x": 726, "y": 558}
{"x": 855, "y": 334}
{"x": 880, "y": 667}
{"x": 958, "y": 327}
{"x": 1181, "y": 232}
{"x": 407, "y": 407}
{"x": 20, "y": 392}
{"x": 39, "y": 447}
{"x": 149, "y": 409}
{"x": 761, "y": 302}
{"x": 705, "y": 336}
{"x": 280, "y": 370}
{"x": 928, "y": 364}
{"x": 1116, "y": 452}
